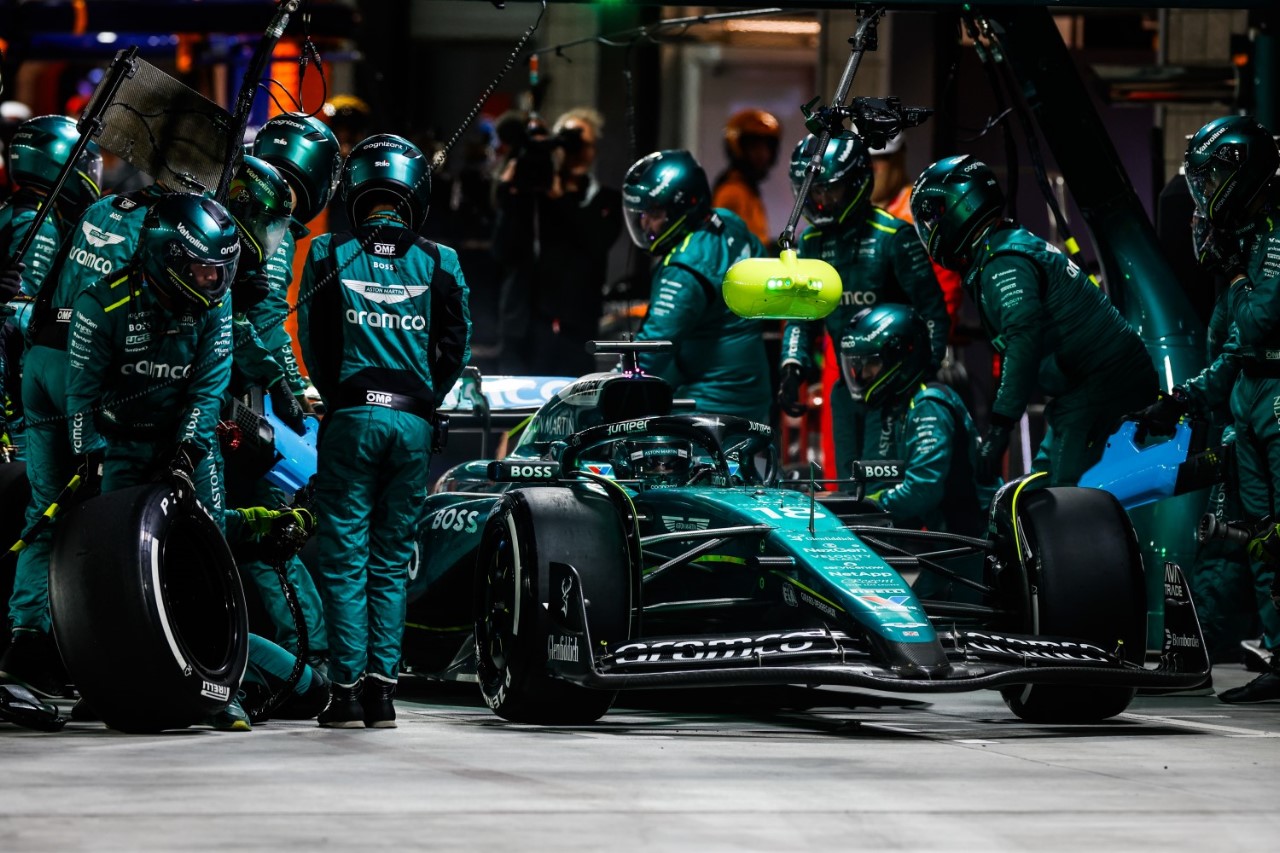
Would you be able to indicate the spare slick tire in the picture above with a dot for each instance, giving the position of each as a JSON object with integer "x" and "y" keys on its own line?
{"x": 147, "y": 609}
{"x": 15, "y": 494}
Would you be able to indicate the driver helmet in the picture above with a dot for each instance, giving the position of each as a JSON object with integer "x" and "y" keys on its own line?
{"x": 37, "y": 153}
{"x": 842, "y": 189}
{"x": 884, "y": 353}
{"x": 954, "y": 202}
{"x": 1229, "y": 164}
{"x": 306, "y": 152}
{"x": 656, "y": 462}
{"x": 189, "y": 250}
{"x": 665, "y": 196}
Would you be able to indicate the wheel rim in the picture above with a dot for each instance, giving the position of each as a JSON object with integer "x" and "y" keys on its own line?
{"x": 497, "y": 608}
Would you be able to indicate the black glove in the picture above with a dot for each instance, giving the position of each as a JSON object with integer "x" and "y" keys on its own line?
{"x": 790, "y": 387}
{"x": 186, "y": 458}
{"x": 248, "y": 290}
{"x": 1161, "y": 417}
{"x": 286, "y": 407}
{"x": 11, "y": 281}
{"x": 89, "y": 469}
{"x": 992, "y": 447}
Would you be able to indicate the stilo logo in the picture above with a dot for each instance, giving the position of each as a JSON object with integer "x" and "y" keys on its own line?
{"x": 382, "y": 164}
{"x": 99, "y": 238}
{"x": 384, "y": 294}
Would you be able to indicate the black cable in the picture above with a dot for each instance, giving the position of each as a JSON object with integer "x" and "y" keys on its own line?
{"x": 988, "y": 61}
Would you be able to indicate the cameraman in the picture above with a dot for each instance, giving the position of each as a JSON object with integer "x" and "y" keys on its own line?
{"x": 555, "y": 225}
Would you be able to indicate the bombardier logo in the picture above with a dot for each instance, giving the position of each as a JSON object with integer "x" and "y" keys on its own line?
{"x": 97, "y": 237}
{"x": 384, "y": 294}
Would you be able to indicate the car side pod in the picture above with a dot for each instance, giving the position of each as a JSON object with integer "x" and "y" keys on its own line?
{"x": 782, "y": 288}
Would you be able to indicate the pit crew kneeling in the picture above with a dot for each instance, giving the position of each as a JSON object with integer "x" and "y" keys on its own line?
{"x": 884, "y": 355}
{"x": 385, "y": 329}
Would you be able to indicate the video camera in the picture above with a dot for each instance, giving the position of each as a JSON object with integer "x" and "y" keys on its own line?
{"x": 535, "y": 164}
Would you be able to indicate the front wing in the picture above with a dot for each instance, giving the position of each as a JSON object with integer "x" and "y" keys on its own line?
{"x": 976, "y": 659}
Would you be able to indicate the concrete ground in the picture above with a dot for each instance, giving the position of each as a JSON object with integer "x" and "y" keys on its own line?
{"x": 705, "y": 772}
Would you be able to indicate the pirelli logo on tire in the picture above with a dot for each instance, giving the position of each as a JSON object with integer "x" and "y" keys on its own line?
{"x": 533, "y": 471}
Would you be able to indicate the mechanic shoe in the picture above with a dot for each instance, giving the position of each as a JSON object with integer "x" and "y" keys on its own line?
{"x": 1264, "y": 688}
{"x": 32, "y": 660}
{"x": 231, "y": 718}
{"x": 343, "y": 710}
{"x": 1256, "y": 658}
{"x": 379, "y": 710}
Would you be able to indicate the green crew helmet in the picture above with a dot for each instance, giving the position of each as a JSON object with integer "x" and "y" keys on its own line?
{"x": 258, "y": 200}
{"x": 1229, "y": 164}
{"x": 953, "y": 203}
{"x": 189, "y": 249}
{"x": 306, "y": 152}
{"x": 884, "y": 353}
{"x": 665, "y": 195}
{"x": 843, "y": 188}
{"x": 37, "y": 153}
{"x": 387, "y": 169}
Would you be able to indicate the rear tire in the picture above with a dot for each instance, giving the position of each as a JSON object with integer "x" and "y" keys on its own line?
{"x": 147, "y": 609}
{"x": 1086, "y": 582}
{"x": 527, "y": 531}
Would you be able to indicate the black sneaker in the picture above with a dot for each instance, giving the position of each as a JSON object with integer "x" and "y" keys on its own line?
{"x": 1264, "y": 688}
{"x": 379, "y": 710}
{"x": 32, "y": 660}
{"x": 343, "y": 710}
{"x": 1257, "y": 657}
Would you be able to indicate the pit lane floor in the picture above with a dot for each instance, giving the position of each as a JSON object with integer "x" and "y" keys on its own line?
{"x": 725, "y": 772}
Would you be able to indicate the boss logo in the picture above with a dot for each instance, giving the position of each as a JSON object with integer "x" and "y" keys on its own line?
{"x": 509, "y": 472}
{"x": 541, "y": 471}
{"x": 377, "y": 398}
{"x": 457, "y": 520}
{"x": 384, "y": 248}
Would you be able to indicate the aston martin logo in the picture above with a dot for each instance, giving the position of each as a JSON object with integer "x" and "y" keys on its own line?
{"x": 675, "y": 522}
{"x": 385, "y": 294}
{"x": 97, "y": 237}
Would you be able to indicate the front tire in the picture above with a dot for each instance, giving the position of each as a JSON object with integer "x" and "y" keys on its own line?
{"x": 1085, "y": 581}
{"x": 527, "y": 531}
{"x": 147, "y": 609}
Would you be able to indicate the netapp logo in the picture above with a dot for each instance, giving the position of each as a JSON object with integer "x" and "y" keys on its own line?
{"x": 377, "y": 320}
{"x": 156, "y": 370}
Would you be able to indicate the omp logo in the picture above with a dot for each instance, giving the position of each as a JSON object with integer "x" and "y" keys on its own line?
{"x": 384, "y": 248}
{"x": 64, "y": 315}
{"x": 156, "y": 370}
{"x": 220, "y": 692}
{"x": 673, "y": 522}
{"x": 126, "y": 203}
{"x": 97, "y": 237}
{"x": 376, "y": 320}
{"x": 377, "y": 398}
{"x": 384, "y": 294}
{"x": 191, "y": 238}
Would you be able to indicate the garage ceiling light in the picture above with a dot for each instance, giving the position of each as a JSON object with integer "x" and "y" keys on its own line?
{"x": 799, "y": 28}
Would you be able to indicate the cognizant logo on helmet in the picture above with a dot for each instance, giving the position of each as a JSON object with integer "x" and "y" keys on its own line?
{"x": 379, "y": 320}
{"x": 156, "y": 370}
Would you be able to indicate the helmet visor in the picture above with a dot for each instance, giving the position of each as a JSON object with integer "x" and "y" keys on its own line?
{"x": 826, "y": 203}
{"x": 201, "y": 283}
{"x": 861, "y": 373}
{"x": 660, "y": 464}
{"x": 650, "y": 229}
{"x": 260, "y": 234}
{"x": 1204, "y": 183}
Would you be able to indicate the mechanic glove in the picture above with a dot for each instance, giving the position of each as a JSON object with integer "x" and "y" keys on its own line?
{"x": 186, "y": 458}
{"x": 258, "y": 519}
{"x": 992, "y": 447}
{"x": 1161, "y": 417}
{"x": 790, "y": 389}
{"x": 286, "y": 407}
{"x": 11, "y": 281}
{"x": 1264, "y": 547}
{"x": 248, "y": 290}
